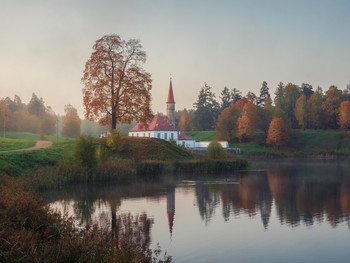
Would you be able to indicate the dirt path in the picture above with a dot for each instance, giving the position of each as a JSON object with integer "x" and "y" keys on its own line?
{"x": 38, "y": 145}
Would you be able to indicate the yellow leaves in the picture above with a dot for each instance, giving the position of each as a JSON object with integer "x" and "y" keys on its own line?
{"x": 278, "y": 134}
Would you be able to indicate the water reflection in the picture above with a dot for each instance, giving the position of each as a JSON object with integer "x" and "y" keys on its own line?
{"x": 296, "y": 193}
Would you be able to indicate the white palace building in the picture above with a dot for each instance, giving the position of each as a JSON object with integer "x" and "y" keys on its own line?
{"x": 163, "y": 127}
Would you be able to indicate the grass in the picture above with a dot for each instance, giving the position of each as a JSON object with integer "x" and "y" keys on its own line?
{"x": 32, "y": 136}
{"x": 202, "y": 135}
{"x": 14, "y": 144}
{"x": 15, "y": 163}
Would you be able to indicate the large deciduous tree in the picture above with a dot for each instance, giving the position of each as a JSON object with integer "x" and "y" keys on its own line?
{"x": 316, "y": 114}
{"x": 116, "y": 88}
{"x": 278, "y": 133}
{"x": 301, "y": 111}
{"x": 344, "y": 115}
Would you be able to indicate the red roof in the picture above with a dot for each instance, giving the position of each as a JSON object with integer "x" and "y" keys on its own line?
{"x": 170, "y": 94}
{"x": 159, "y": 123}
{"x": 183, "y": 136}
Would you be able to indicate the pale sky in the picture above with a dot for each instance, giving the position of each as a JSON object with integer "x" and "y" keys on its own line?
{"x": 45, "y": 44}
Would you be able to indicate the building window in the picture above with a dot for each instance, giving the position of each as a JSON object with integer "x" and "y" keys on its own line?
{"x": 144, "y": 135}
{"x": 149, "y": 134}
{"x": 172, "y": 136}
{"x": 137, "y": 134}
{"x": 165, "y": 136}
{"x": 158, "y": 135}
{"x": 183, "y": 144}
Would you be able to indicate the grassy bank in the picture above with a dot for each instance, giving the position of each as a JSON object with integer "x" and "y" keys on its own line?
{"x": 309, "y": 143}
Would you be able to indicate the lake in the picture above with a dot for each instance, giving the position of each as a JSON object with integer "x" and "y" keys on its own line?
{"x": 279, "y": 211}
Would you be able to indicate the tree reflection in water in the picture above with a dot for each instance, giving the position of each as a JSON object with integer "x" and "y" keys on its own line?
{"x": 297, "y": 194}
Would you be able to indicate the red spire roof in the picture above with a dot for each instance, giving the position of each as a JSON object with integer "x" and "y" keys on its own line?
{"x": 170, "y": 94}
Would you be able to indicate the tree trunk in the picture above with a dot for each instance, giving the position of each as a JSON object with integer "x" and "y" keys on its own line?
{"x": 114, "y": 121}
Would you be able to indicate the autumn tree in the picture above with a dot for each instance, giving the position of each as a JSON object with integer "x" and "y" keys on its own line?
{"x": 315, "y": 113}
{"x": 117, "y": 88}
{"x": 247, "y": 124}
{"x": 239, "y": 104}
{"x": 227, "y": 125}
{"x": 71, "y": 122}
{"x": 331, "y": 106}
{"x": 344, "y": 115}
{"x": 278, "y": 133}
{"x": 185, "y": 122}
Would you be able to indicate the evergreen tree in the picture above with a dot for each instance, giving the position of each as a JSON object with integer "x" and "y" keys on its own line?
{"x": 279, "y": 92}
{"x": 306, "y": 89}
{"x": 207, "y": 109}
{"x": 36, "y": 106}
{"x": 226, "y": 99}
{"x": 236, "y": 95}
{"x": 264, "y": 94}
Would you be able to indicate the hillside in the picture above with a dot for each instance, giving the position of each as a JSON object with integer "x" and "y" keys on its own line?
{"x": 303, "y": 142}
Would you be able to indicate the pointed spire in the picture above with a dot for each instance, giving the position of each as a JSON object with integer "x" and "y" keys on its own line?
{"x": 170, "y": 94}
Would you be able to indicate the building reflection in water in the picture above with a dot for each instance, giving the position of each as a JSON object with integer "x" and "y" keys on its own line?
{"x": 170, "y": 201}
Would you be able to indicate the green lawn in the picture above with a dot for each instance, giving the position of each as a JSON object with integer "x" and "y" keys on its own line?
{"x": 32, "y": 136}
{"x": 14, "y": 144}
{"x": 202, "y": 135}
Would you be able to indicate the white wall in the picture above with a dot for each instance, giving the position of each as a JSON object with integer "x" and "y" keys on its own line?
{"x": 165, "y": 135}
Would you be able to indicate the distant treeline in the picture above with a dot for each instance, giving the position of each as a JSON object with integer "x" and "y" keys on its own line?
{"x": 36, "y": 117}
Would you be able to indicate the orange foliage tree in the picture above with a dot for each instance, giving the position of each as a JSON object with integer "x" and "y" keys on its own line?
{"x": 185, "y": 122}
{"x": 239, "y": 104}
{"x": 226, "y": 127}
{"x": 248, "y": 122}
{"x": 331, "y": 106}
{"x": 278, "y": 133}
{"x": 116, "y": 87}
{"x": 301, "y": 111}
{"x": 344, "y": 115}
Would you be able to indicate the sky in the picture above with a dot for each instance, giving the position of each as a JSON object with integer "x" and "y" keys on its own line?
{"x": 45, "y": 44}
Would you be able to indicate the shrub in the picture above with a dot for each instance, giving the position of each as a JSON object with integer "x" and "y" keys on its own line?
{"x": 115, "y": 141}
{"x": 215, "y": 150}
{"x": 102, "y": 153}
{"x": 85, "y": 151}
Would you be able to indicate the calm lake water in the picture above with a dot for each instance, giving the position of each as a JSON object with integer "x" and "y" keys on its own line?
{"x": 281, "y": 211}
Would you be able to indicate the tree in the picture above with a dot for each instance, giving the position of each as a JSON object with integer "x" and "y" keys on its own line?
{"x": 287, "y": 103}
{"x": 48, "y": 124}
{"x": 306, "y": 89}
{"x": 247, "y": 124}
{"x": 236, "y": 95}
{"x": 116, "y": 87}
{"x": 207, "y": 109}
{"x": 36, "y": 106}
{"x": 252, "y": 97}
{"x": 71, "y": 122}
{"x": 278, "y": 133}
{"x": 115, "y": 141}
{"x": 344, "y": 115}
{"x": 264, "y": 94}
{"x": 315, "y": 114}
{"x": 185, "y": 122}
{"x": 227, "y": 125}
{"x": 301, "y": 111}
{"x": 226, "y": 99}
{"x": 239, "y": 104}
{"x": 331, "y": 106}
{"x": 265, "y": 116}
{"x": 279, "y": 92}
